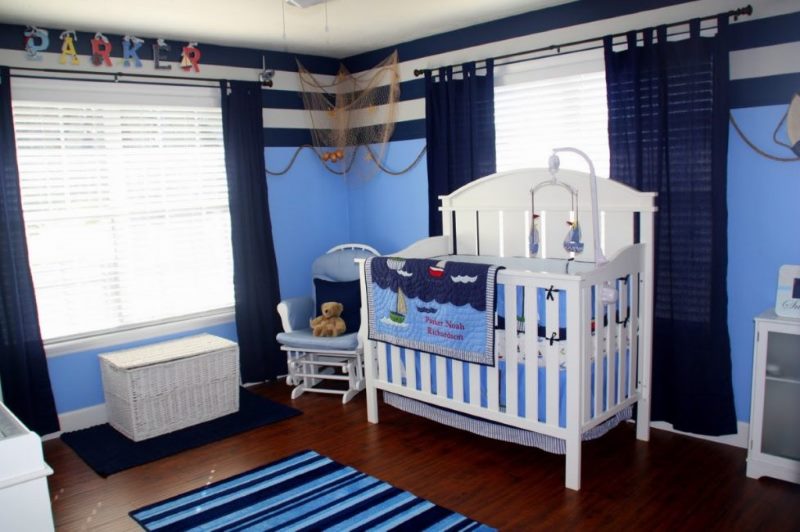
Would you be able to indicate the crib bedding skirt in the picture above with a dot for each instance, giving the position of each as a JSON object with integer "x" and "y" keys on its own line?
{"x": 489, "y": 428}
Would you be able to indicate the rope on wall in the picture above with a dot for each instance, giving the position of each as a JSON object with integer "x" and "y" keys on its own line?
{"x": 756, "y": 148}
{"x": 373, "y": 157}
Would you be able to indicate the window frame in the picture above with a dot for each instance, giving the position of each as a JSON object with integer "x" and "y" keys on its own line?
{"x": 34, "y": 88}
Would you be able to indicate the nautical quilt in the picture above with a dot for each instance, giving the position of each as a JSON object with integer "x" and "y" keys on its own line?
{"x": 441, "y": 307}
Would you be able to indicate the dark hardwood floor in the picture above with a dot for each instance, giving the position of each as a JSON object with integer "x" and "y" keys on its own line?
{"x": 672, "y": 482}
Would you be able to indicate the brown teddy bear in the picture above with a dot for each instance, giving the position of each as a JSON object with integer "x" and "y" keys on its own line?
{"x": 330, "y": 323}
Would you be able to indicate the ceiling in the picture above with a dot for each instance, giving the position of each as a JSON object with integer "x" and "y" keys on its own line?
{"x": 333, "y": 28}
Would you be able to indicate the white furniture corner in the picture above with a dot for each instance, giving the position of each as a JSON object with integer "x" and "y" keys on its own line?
{"x": 24, "y": 497}
{"x": 774, "y": 449}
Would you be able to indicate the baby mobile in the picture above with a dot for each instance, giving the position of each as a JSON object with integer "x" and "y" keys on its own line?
{"x": 37, "y": 40}
{"x": 573, "y": 241}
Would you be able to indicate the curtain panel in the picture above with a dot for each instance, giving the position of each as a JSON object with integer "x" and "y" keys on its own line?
{"x": 667, "y": 103}
{"x": 24, "y": 379}
{"x": 255, "y": 270}
{"x": 459, "y": 129}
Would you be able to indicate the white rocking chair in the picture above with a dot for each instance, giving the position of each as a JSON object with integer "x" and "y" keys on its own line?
{"x": 315, "y": 359}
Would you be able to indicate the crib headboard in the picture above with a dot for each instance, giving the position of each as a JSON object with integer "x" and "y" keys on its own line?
{"x": 492, "y": 215}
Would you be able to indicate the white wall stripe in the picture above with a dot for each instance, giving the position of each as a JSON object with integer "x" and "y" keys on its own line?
{"x": 765, "y": 61}
{"x": 294, "y": 118}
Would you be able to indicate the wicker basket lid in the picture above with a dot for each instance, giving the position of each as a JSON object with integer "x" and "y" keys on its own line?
{"x": 157, "y": 353}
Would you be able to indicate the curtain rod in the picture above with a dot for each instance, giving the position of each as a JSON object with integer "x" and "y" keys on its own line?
{"x": 119, "y": 75}
{"x": 735, "y": 13}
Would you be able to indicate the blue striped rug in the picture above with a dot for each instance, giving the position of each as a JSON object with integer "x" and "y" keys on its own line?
{"x": 306, "y": 491}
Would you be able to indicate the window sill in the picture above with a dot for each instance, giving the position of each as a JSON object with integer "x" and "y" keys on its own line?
{"x": 63, "y": 346}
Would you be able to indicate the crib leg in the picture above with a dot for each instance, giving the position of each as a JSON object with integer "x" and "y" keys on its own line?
{"x": 573, "y": 469}
{"x": 643, "y": 417}
{"x": 372, "y": 403}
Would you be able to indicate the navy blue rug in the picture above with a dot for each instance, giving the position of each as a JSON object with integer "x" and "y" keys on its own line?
{"x": 306, "y": 491}
{"x": 107, "y": 451}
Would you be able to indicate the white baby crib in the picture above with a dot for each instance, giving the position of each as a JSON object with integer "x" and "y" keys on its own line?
{"x": 572, "y": 338}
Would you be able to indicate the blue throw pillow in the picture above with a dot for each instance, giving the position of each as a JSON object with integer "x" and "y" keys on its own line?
{"x": 348, "y": 293}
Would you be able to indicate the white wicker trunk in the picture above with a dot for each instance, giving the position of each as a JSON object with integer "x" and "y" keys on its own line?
{"x": 163, "y": 387}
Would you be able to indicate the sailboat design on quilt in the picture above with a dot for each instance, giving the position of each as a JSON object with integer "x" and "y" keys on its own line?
{"x": 399, "y": 314}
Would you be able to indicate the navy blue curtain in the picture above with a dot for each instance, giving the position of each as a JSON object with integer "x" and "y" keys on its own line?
{"x": 668, "y": 134}
{"x": 255, "y": 274}
{"x": 23, "y": 367}
{"x": 459, "y": 129}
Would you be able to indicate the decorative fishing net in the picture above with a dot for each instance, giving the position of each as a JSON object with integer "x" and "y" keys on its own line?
{"x": 353, "y": 117}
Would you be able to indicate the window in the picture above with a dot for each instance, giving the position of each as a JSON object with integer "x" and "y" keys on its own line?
{"x": 125, "y": 201}
{"x": 565, "y": 106}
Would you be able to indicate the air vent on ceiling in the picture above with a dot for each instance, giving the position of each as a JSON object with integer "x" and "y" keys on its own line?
{"x": 304, "y": 3}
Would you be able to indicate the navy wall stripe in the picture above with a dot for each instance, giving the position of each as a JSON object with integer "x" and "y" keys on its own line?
{"x": 412, "y": 89}
{"x": 11, "y": 37}
{"x": 780, "y": 29}
{"x": 769, "y": 90}
{"x": 278, "y": 137}
{"x": 278, "y": 99}
{"x": 409, "y": 130}
{"x": 551, "y": 18}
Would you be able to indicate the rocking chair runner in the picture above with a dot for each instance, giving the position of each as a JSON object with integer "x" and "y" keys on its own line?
{"x": 315, "y": 359}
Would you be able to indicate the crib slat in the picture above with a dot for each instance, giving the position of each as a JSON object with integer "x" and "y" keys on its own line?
{"x": 441, "y": 376}
{"x": 466, "y": 235}
{"x": 511, "y": 349}
{"x": 531, "y": 354}
{"x": 411, "y": 369}
{"x": 397, "y": 366}
{"x": 599, "y": 346}
{"x": 624, "y": 330}
{"x": 551, "y": 358}
{"x": 490, "y": 232}
{"x": 474, "y": 385}
{"x": 515, "y": 233}
{"x": 611, "y": 359}
{"x": 587, "y": 354}
{"x": 492, "y": 388}
{"x": 383, "y": 363}
{"x": 635, "y": 335}
{"x": 425, "y": 371}
{"x": 458, "y": 381}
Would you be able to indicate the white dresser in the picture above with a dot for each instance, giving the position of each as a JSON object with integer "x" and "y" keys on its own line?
{"x": 774, "y": 449}
{"x": 24, "y": 497}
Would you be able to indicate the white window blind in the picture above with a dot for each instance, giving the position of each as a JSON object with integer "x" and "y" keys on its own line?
{"x": 533, "y": 117}
{"x": 126, "y": 209}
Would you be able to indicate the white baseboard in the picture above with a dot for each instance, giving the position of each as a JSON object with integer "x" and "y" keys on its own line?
{"x": 740, "y": 439}
{"x": 80, "y": 419}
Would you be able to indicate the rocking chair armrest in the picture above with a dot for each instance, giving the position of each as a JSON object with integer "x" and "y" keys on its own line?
{"x": 296, "y": 312}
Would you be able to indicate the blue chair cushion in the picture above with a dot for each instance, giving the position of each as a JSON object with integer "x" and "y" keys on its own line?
{"x": 348, "y": 293}
{"x": 304, "y": 340}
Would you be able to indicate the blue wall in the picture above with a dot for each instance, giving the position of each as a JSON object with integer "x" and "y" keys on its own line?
{"x": 389, "y": 212}
{"x": 763, "y": 234}
{"x": 310, "y": 214}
